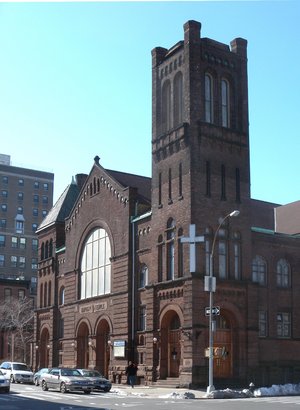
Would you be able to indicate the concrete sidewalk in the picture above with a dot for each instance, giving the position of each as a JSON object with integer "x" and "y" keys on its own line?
{"x": 153, "y": 391}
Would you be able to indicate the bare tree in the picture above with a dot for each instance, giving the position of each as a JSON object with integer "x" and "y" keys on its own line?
{"x": 17, "y": 319}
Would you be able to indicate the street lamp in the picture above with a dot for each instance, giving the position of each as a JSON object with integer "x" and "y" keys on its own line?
{"x": 211, "y": 288}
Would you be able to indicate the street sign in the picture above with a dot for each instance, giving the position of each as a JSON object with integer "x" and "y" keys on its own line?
{"x": 215, "y": 310}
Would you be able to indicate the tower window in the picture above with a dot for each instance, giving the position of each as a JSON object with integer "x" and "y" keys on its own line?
{"x": 159, "y": 189}
{"x": 170, "y": 186}
{"x": 180, "y": 181}
{"x": 170, "y": 249}
{"x": 178, "y": 99}
{"x": 166, "y": 106}
{"x": 225, "y": 103}
{"x": 208, "y": 98}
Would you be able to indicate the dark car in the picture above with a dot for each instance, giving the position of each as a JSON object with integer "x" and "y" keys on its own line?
{"x": 37, "y": 375}
{"x": 99, "y": 381}
{"x": 66, "y": 380}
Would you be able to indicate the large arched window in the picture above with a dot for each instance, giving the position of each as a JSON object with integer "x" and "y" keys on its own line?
{"x": 96, "y": 265}
{"x": 166, "y": 106}
{"x": 259, "y": 270}
{"x": 225, "y": 103}
{"x": 178, "y": 99}
{"x": 170, "y": 249}
{"x": 222, "y": 254}
{"x": 160, "y": 244}
{"x": 237, "y": 255}
{"x": 208, "y": 96}
{"x": 283, "y": 273}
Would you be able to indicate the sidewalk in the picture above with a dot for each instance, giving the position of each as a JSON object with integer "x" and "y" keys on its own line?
{"x": 153, "y": 391}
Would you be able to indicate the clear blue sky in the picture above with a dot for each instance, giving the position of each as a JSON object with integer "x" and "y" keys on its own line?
{"x": 75, "y": 82}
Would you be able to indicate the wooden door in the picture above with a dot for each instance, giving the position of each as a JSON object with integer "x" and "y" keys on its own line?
{"x": 223, "y": 349}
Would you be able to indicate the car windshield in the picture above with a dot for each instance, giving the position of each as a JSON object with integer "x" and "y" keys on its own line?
{"x": 92, "y": 373}
{"x": 20, "y": 366}
{"x": 70, "y": 372}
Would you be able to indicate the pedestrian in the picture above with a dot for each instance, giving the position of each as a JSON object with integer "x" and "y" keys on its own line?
{"x": 131, "y": 372}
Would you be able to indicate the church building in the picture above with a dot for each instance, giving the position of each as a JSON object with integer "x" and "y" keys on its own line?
{"x": 127, "y": 263}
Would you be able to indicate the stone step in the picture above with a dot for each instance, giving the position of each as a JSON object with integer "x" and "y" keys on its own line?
{"x": 168, "y": 382}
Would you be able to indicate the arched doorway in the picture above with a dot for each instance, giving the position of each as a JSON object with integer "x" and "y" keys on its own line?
{"x": 43, "y": 350}
{"x": 102, "y": 347}
{"x": 82, "y": 340}
{"x": 223, "y": 347}
{"x": 170, "y": 346}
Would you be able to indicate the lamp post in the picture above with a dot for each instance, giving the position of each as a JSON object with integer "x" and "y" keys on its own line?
{"x": 211, "y": 289}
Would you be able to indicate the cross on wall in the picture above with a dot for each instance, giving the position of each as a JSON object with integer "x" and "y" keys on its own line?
{"x": 192, "y": 240}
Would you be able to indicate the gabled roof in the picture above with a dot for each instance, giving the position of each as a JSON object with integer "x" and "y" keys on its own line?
{"x": 61, "y": 209}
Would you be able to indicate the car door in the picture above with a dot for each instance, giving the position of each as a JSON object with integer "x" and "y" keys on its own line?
{"x": 54, "y": 379}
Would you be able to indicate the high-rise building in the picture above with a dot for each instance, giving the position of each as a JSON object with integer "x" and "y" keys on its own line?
{"x": 26, "y": 195}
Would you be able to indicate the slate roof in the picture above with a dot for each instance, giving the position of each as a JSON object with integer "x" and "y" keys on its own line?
{"x": 143, "y": 184}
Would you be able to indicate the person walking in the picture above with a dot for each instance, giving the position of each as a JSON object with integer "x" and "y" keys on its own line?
{"x": 131, "y": 372}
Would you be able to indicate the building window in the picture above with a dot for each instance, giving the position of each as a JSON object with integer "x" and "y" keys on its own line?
{"x": 4, "y": 194}
{"x": 159, "y": 189}
{"x": 4, "y": 207}
{"x": 142, "y": 318}
{"x": 2, "y": 223}
{"x": 222, "y": 254}
{"x": 35, "y": 212}
{"x": 36, "y": 199}
{"x": 178, "y": 99}
{"x": 13, "y": 261}
{"x": 33, "y": 284}
{"x": 262, "y": 324}
{"x": 21, "y": 294}
{"x": 283, "y": 325}
{"x": 22, "y": 262}
{"x": 34, "y": 263}
{"x": 259, "y": 270}
{"x": 283, "y": 274}
{"x": 166, "y": 106}
{"x": 45, "y": 186}
{"x": 180, "y": 181}
{"x": 34, "y": 245}
{"x": 7, "y": 294}
{"x": 34, "y": 227}
{"x": 44, "y": 213}
{"x": 36, "y": 185}
{"x": 160, "y": 258}
{"x": 225, "y": 103}
{"x": 208, "y": 99}
{"x": 20, "y": 196}
{"x": 5, "y": 180}
{"x": 20, "y": 210}
{"x": 19, "y": 225}
{"x": 180, "y": 253}
{"x": 21, "y": 182}
{"x": 143, "y": 279}
{"x": 237, "y": 255}
{"x": 170, "y": 186}
{"x": 22, "y": 243}
{"x": 170, "y": 249}
{"x": 44, "y": 199}
{"x": 2, "y": 261}
{"x": 14, "y": 242}
{"x": 62, "y": 296}
{"x": 2, "y": 241}
{"x": 95, "y": 265}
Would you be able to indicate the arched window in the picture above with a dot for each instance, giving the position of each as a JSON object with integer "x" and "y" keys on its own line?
{"x": 170, "y": 249}
{"x": 259, "y": 270}
{"x": 180, "y": 253}
{"x": 160, "y": 258}
{"x": 49, "y": 294}
{"x": 51, "y": 248}
{"x": 166, "y": 106}
{"x": 62, "y": 296}
{"x": 47, "y": 250}
{"x": 225, "y": 103}
{"x": 222, "y": 254}
{"x": 237, "y": 255}
{"x": 143, "y": 279}
{"x": 45, "y": 294}
{"x": 178, "y": 99}
{"x": 283, "y": 273}
{"x": 208, "y": 98}
{"x": 42, "y": 251}
{"x": 96, "y": 265}
{"x": 41, "y": 295}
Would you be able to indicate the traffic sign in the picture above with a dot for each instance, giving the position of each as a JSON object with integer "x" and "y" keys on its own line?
{"x": 215, "y": 310}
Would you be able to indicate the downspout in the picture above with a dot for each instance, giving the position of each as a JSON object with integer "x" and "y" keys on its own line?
{"x": 133, "y": 283}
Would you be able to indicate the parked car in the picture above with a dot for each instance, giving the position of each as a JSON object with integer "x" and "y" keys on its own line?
{"x": 66, "y": 380}
{"x": 17, "y": 372}
{"x": 99, "y": 381}
{"x": 4, "y": 382}
{"x": 37, "y": 375}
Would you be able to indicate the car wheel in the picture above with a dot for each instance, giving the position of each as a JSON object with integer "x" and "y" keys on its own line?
{"x": 7, "y": 390}
{"x": 36, "y": 382}
{"x": 63, "y": 388}
{"x": 44, "y": 386}
{"x": 12, "y": 379}
{"x": 87, "y": 391}
{"x": 107, "y": 389}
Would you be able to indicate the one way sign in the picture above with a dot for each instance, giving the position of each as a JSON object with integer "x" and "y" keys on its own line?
{"x": 215, "y": 310}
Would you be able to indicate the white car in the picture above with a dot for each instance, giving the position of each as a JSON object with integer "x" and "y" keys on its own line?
{"x": 4, "y": 382}
{"x": 17, "y": 372}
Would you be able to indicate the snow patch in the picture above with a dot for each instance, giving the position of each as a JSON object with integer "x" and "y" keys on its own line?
{"x": 175, "y": 395}
{"x": 278, "y": 390}
{"x": 229, "y": 394}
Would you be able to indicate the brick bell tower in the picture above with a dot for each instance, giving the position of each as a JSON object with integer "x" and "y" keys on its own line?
{"x": 200, "y": 135}
{"x": 200, "y": 173}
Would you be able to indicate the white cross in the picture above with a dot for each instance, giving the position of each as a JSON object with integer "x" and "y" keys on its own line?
{"x": 192, "y": 241}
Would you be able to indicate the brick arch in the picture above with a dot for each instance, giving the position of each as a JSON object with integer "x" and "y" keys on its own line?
{"x": 83, "y": 330}
{"x": 103, "y": 330}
